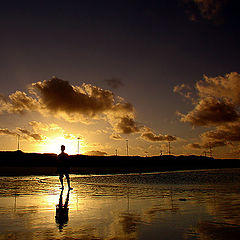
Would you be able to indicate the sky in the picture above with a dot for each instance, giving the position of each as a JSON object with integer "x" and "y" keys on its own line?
{"x": 103, "y": 76}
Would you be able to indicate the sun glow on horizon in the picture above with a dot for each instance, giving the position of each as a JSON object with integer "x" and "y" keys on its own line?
{"x": 53, "y": 145}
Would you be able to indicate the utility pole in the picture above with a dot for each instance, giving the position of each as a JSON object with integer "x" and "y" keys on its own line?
{"x": 116, "y": 152}
{"x": 210, "y": 150}
{"x": 127, "y": 146}
{"x": 18, "y": 143}
{"x": 160, "y": 150}
{"x": 78, "y": 144}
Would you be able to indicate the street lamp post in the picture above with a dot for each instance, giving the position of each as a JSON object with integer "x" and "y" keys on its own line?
{"x": 78, "y": 144}
{"x": 18, "y": 143}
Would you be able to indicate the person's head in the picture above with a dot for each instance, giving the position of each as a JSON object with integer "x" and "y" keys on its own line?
{"x": 62, "y": 148}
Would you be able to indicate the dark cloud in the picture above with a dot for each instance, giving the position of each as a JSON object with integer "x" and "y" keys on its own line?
{"x": 207, "y": 9}
{"x": 27, "y": 133}
{"x": 23, "y": 133}
{"x": 96, "y": 153}
{"x": 116, "y": 136}
{"x": 218, "y": 107}
{"x": 194, "y": 146}
{"x": 114, "y": 83}
{"x": 210, "y": 112}
{"x": 218, "y": 101}
{"x": 127, "y": 125}
{"x": 151, "y": 137}
{"x": 210, "y": 9}
{"x": 73, "y": 103}
{"x": 5, "y": 131}
{"x": 213, "y": 144}
{"x": 206, "y": 145}
{"x": 227, "y": 133}
{"x": 59, "y": 96}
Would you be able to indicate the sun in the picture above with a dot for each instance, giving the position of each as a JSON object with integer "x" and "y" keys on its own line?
{"x": 53, "y": 145}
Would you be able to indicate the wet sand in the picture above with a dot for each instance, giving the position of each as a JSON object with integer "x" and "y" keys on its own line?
{"x": 201, "y": 204}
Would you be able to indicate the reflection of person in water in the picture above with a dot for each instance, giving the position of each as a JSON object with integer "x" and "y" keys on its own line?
{"x": 62, "y": 211}
{"x": 63, "y": 166}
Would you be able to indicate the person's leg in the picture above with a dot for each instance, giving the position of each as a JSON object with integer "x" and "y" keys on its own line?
{"x": 68, "y": 180}
{"x": 61, "y": 179}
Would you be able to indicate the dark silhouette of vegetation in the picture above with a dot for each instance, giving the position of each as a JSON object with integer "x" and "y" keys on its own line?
{"x": 19, "y": 163}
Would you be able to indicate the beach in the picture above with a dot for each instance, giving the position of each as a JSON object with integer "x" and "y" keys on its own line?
{"x": 192, "y": 204}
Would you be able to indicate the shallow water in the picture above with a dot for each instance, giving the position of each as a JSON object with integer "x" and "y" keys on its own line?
{"x": 202, "y": 204}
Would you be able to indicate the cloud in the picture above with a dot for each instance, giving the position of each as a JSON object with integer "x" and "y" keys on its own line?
{"x": 222, "y": 87}
{"x": 73, "y": 103}
{"x": 183, "y": 90}
{"x": 208, "y": 9}
{"x": 206, "y": 145}
{"x": 116, "y": 136}
{"x": 58, "y": 98}
{"x": 28, "y": 134}
{"x": 217, "y": 106}
{"x": 5, "y": 131}
{"x": 114, "y": 83}
{"x": 18, "y": 102}
{"x": 83, "y": 103}
{"x": 226, "y": 133}
{"x": 96, "y": 153}
{"x": 194, "y": 146}
{"x": 71, "y": 136}
{"x": 151, "y": 137}
{"x": 58, "y": 95}
{"x": 23, "y": 133}
{"x": 127, "y": 125}
{"x": 218, "y": 101}
{"x": 39, "y": 126}
{"x": 210, "y": 111}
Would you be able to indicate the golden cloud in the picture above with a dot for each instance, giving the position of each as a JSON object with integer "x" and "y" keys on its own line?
{"x": 210, "y": 111}
{"x": 218, "y": 106}
{"x": 149, "y": 136}
{"x": 58, "y": 98}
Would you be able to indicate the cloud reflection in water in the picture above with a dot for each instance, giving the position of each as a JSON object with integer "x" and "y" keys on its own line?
{"x": 119, "y": 207}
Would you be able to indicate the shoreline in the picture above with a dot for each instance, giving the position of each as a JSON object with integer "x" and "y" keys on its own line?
{"x": 51, "y": 171}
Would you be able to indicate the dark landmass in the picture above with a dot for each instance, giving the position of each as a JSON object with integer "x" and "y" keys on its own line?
{"x": 19, "y": 164}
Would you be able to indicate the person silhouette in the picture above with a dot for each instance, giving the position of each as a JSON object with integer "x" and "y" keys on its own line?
{"x": 62, "y": 211}
{"x": 63, "y": 167}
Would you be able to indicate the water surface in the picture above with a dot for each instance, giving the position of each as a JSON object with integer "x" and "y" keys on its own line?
{"x": 202, "y": 204}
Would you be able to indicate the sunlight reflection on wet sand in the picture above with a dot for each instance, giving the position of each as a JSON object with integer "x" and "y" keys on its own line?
{"x": 140, "y": 206}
